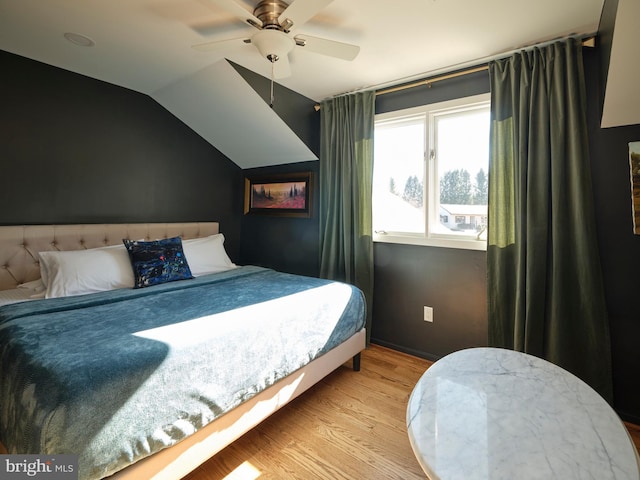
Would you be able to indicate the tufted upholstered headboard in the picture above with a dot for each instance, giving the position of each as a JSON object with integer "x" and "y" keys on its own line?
{"x": 20, "y": 244}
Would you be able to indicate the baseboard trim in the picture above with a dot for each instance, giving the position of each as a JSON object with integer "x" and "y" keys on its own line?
{"x": 403, "y": 349}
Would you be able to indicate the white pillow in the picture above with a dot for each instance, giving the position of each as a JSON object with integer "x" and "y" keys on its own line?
{"x": 78, "y": 272}
{"x": 207, "y": 255}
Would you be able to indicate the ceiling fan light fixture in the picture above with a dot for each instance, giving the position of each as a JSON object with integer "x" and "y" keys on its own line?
{"x": 273, "y": 43}
{"x": 274, "y": 20}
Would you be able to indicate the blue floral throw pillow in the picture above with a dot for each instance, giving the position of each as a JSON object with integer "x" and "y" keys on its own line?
{"x": 157, "y": 261}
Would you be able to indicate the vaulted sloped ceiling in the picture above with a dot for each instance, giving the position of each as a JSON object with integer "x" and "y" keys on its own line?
{"x": 622, "y": 96}
{"x": 224, "y": 109}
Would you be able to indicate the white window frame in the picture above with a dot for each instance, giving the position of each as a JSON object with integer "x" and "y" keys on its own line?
{"x": 431, "y": 180}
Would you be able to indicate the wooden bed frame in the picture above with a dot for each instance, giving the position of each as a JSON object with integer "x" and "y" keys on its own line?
{"x": 19, "y": 246}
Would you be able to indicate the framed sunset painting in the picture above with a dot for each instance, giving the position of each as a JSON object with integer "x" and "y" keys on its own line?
{"x": 286, "y": 195}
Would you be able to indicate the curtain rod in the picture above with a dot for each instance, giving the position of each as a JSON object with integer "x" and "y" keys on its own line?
{"x": 429, "y": 81}
{"x": 586, "y": 42}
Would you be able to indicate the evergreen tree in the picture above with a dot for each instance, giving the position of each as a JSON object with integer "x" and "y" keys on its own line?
{"x": 481, "y": 189}
{"x": 455, "y": 187}
{"x": 413, "y": 191}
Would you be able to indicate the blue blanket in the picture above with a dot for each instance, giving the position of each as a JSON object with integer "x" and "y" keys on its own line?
{"x": 117, "y": 376}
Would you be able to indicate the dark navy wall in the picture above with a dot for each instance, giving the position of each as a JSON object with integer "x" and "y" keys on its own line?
{"x": 284, "y": 243}
{"x": 408, "y": 278}
{"x": 619, "y": 247}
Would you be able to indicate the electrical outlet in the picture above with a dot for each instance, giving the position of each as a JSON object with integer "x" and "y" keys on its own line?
{"x": 428, "y": 314}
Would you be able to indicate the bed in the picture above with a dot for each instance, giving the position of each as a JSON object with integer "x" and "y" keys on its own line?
{"x": 151, "y": 382}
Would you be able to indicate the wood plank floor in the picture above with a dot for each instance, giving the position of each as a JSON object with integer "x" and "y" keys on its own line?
{"x": 634, "y": 431}
{"x": 349, "y": 426}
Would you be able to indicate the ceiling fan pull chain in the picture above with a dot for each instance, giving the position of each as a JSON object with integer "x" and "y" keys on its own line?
{"x": 272, "y": 69}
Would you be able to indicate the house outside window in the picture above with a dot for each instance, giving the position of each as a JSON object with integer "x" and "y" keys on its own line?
{"x": 430, "y": 174}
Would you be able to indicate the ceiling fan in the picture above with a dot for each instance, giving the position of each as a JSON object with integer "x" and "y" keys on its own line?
{"x": 274, "y": 20}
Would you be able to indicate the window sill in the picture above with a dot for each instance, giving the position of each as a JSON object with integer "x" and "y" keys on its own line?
{"x": 466, "y": 243}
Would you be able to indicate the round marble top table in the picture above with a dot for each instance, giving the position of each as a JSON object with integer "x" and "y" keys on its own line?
{"x": 489, "y": 413}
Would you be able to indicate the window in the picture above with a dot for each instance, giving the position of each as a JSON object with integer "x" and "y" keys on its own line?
{"x": 430, "y": 174}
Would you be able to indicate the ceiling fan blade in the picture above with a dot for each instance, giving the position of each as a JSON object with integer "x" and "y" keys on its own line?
{"x": 281, "y": 68}
{"x": 331, "y": 48}
{"x": 212, "y": 46}
{"x": 239, "y": 11}
{"x": 300, "y": 11}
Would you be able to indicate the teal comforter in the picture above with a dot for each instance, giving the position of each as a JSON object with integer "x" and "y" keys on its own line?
{"x": 117, "y": 376}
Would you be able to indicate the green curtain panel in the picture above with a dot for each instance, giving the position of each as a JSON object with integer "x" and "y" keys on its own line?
{"x": 545, "y": 287}
{"x": 346, "y": 172}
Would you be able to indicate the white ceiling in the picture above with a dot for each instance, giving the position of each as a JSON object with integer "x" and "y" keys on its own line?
{"x": 145, "y": 45}
{"x": 226, "y": 115}
{"x": 622, "y": 99}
